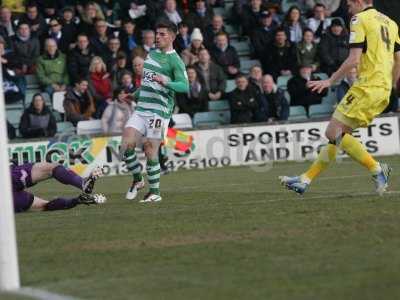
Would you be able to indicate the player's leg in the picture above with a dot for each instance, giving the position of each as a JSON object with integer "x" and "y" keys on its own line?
{"x": 151, "y": 148}
{"x": 45, "y": 170}
{"x": 65, "y": 203}
{"x": 326, "y": 156}
{"x": 131, "y": 137}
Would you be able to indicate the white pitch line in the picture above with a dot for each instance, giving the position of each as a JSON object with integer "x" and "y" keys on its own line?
{"x": 41, "y": 294}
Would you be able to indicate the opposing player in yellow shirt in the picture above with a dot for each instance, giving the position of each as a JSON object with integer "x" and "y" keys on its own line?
{"x": 375, "y": 51}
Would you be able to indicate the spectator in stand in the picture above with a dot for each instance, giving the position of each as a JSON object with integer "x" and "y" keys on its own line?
{"x": 300, "y": 94}
{"x": 51, "y": 69}
{"x": 55, "y": 33}
{"x": 255, "y": 78}
{"x": 6, "y": 21}
{"x": 35, "y": 21}
{"x": 26, "y": 47}
{"x": 37, "y": 120}
{"x": 128, "y": 36}
{"x": 263, "y": 35}
{"x": 319, "y": 22}
{"x": 277, "y": 106}
{"x": 196, "y": 99}
{"x": 128, "y": 86}
{"x": 330, "y": 5}
{"x": 293, "y": 25}
{"x": 307, "y": 51}
{"x": 117, "y": 113}
{"x": 280, "y": 57}
{"x": 334, "y": 47}
{"x": 250, "y": 16}
{"x": 216, "y": 3}
{"x": 89, "y": 15}
{"x": 79, "y": 103}
{"x": 211, "y": 75}
{"x": 137, "y": 64}
{"x": 346, "y": 84}
{"x": 143, "y": 12}
{"x": 100, "y": 85}
{"x": 69, "y": 27}
{"x": 79, "y": 58}
{"x": 99, "y": 40}
{"x": 120, "y": 69}
{"x": 171, "y": 13}
{"x": 274, "y": 10}
{"x": 245, "y": 103}
{"x": 200, "y": 17}
{"x": 14, "y": 83}
{"x": 149, "y": 39}
{"x": 110, "y": 55}
{"x": 48, "y": 9}
{"x": 182, "y": 40}
{"x": 190, "y": 56}
{"x": 212, "y": 30}
{"x": 225, "y": 55}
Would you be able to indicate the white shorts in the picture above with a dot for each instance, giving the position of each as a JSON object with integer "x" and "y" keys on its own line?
{"x": 151, "y": 126}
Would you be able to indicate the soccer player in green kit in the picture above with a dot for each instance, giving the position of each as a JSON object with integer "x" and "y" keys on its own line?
{"x": 164, "y": 74}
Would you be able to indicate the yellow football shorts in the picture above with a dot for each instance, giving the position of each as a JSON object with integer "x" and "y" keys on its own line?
{"x": 361, "y": 105}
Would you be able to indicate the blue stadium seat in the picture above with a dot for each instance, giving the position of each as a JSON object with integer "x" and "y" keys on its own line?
{"x": 15, "y": 105}
{"x": 320, "y": 110}
{"x": 32, "y": 81}
{"x": 212, "y": 118}
{"x": 297, "y": 113}
{"x": 218, "y": 105}
{"x": 182, "y": 121}
{"x": 231, "y": 30}
{"x": 246, "y": 65}
{"x": 286, "y": 4}
{"x": 282, "y": 81}
{"x": 230, "y": 85}
{"x": 322, "y": 76}
{"x": 287, "y": 96}
{"x": 14, "y": 116}
{"x": 242, "y": 48}
{"x": 65, "y": 127}
{"x": 331, "y": 98}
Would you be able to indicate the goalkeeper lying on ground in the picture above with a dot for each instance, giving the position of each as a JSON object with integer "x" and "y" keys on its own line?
{"x": 28, "y": 174}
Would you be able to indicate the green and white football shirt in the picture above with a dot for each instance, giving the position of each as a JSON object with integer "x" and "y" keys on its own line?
{"x": 153, "y": 97}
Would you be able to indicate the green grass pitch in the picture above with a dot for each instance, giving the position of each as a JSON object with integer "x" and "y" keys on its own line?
{"x": 230, "y": 233}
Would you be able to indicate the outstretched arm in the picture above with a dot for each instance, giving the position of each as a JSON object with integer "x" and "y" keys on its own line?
{"x": 352, "y": 61}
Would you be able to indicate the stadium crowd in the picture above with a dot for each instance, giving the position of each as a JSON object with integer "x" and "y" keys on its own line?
{"x": 94, "y": 51}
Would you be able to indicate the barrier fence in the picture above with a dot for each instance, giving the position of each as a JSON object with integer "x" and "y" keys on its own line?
{"x": 256, "y": 146}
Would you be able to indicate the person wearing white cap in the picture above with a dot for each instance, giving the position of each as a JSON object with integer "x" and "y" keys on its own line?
{"x": 190, "y": 55}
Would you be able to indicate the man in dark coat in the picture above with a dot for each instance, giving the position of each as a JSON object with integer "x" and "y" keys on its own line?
{"x": 79, "y": 58}
{"x": 225, "y": 55}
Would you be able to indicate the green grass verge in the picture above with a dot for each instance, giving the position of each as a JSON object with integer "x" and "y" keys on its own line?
{"x": 229, "y": 233}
